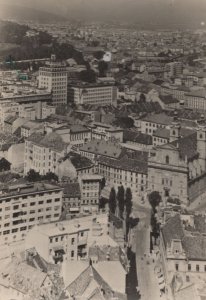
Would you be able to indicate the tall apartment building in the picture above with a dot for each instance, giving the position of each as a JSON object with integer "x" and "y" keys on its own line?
{"x": 42, "y": 152}
{"x": 94, "y": 94}
{"x": 24, "y": 205}
{"x": 53, "y": 77}
{"x": 90, "y": 186}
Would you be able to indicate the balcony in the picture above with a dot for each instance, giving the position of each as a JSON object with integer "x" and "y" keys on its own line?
{"x": 82, "y": 241}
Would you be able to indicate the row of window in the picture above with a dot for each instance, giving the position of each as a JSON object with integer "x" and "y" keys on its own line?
{"x": 189, "y": 267}
{"x": 62, "y": 237}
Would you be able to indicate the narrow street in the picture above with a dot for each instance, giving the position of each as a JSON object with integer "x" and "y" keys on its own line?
{"x": 147, "y": 282}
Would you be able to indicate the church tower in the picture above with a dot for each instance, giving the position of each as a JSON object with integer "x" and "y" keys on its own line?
{"x": 175, "y": 132}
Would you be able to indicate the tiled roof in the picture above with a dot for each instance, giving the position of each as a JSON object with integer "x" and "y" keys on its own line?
{"x": 168, "y": 99}
{"x": 51, "y": 140}
{"x": 165, "y": 133}
{"x": 137, "y": 137}
{"x": 159, "y": 119}
{"x": 10, "y": 119}
{"x": 200, "y": 223}
{"x": 125, "y": 163}
{"x": 195, "y": 247}
{"x": 23, "y": 277}
{"x": 78, "y": 161}
{"x": 102, "y": 252}
{"x": 78, "y": 128}
{"x": 101, "y": 147}
{"x": 80, "y": 285}
{"x": 72, "y": 190}
{"x": 172, "y": 230}
{"x": 162, "y": 133}
{"x": 187, "y": 146}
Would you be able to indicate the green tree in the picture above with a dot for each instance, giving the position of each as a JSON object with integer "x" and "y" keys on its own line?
{"x": 33, "y": 176}
{"x": 50, "y": 177}
{"x": 112, "y": 201}
{"x": 103, "y": 67}
{"x": 154, "y": 199}
{"x": 99, "y": 54}
{"x": 128, "y": 201}
{"x": 121, "y": 200}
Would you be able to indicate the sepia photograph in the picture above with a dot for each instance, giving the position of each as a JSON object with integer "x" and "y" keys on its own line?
{"x": 102, "y": 149}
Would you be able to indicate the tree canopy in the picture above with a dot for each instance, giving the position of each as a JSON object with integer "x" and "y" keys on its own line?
{"x": 128, "y": 201}
{"x": 121, "y": 200}
{"x": 154, "y": 199}
{"x": 112, "y": 201}
{"x": 34, "y": 176}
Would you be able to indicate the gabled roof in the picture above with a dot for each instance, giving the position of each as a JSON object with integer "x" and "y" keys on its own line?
{"x": 72, "y": 190}
{"x": 187, "y": 146}
{"x": 51, "y": 141}
{"x": 195, "y": 247}
{"x": 125, "y": 163}
{"x": 137, "y": 137}
{"x": 101, "y": 147}
{"x": 88, "y": 283}
{"x": 172, "y": 230}
{"x": 23, "y": 277}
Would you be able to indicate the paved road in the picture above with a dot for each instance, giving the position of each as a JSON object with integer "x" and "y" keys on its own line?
{"x": 147, "y": 281}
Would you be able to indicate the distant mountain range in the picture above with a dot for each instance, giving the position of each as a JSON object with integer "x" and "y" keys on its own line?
{"x": 25, "y": 13}
{"x": 146, "y": 13}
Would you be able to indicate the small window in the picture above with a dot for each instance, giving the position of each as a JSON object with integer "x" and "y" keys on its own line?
{"x": 72, "y": 253}
{"x": 197, "y": 268}
{"x": 189, "y": 267}
{"x": 176, "y": 267}
{"x": 167, "y": 159}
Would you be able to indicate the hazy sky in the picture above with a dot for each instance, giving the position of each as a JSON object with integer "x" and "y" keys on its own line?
{"x": 150, "y": 10}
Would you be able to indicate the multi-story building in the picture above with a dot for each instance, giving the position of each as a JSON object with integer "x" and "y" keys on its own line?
{"x": 131, "y": 172}
{"x": 178, "y": 168}
{"x": 24, "y": 205}
{"x": 75, "y": 134}
{"x": 173, "y": 69}
{"x": 67, "y": 239}
{"x": 53, "y": 77}
{"x": 107, "y": 132}
{"x": 42, "y": 152}
{"x": 183, "y": 255}
{"x": 31, "y": 127}
{"x": 152, "y": 122}
{"x": 100, "y": 94}
{"x": 23, "y": 102}
{"x": 97, "y": 148}
{"x": 90, "y": 186}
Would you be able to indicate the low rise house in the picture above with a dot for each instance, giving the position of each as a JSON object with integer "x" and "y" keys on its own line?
{"x": 73, "y": 165}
